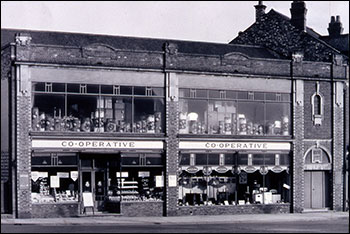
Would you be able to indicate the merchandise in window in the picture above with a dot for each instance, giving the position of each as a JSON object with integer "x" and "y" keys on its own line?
{"x": 226, "y": 112}
{"x": 233, "y": 179}
{"x": 97, "y": 108}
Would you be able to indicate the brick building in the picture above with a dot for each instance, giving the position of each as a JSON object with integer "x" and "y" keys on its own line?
{"x": 167, "y": 127}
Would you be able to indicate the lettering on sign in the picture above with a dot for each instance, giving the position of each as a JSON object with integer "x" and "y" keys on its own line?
{"x": 97, "y": 144}
{"x": 221, "y": 169}
{"x": 234, "y": 145}
{"x": 192, "y": 169}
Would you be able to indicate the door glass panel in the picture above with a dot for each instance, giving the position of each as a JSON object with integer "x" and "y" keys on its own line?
{"x": 86, "y": 181}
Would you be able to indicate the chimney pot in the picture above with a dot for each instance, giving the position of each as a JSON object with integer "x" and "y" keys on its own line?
{"x": 298, "y": 12}
{"x": 259, "y": 10}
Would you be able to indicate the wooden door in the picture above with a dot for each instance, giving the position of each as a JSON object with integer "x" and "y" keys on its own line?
{"x": 314, "y": 196}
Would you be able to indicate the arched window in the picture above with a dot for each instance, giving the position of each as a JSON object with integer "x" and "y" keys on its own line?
{"x": 317, "y": 106}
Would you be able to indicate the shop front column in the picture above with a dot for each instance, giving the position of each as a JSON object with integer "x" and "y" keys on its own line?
{"x": 23, "y": 148}
{"x": 172, "y": 143}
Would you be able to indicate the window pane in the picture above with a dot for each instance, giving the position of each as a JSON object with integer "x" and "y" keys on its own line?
{"x": 270, "y": 159}
{"x": 73, "y": 88}
{"x": 47, "y": 110}
{"x": 242, "y": 95}
{"x": 242, "y": 159}
{"x": 131, "y": 160}
{"x": 202, "y": 93}
{"x": 278, "y": 119}
{"x": 154, "y": 160}
{"x": 285, "y": 97}
{"x": 259, "y": 96}
{"x": 185, "y": 159}
{"x": 139, "y": 90}
{"x": 86, "y": 162}
{"x": 201, "y": 159}
{"x": 121, "y": 115}
{"x": 213, "y": 159}
{"x": 193, "y": 116}
{"x": 41, "y": 160}
{"x": 231, "y": 94}
{"x": 149, "y": 115}
{"x": 229, "y": 159}
{"x": 58, "y": 87}
{"x": 214, "y": 94}
{"x": 250, "y": 118}
{"x": 93, "y": 88}
{"x": 67, "y": 160}
{"x": 40, "y": 86}
{"x": 222, "y": 117}
{"x": 284, "y": 159}
{"x": 158, "y": 92}
{"x": 258, "y": 159}
{"x": 271, "y": 96}
{"x": 107, "y": 89}
{"x": 184, "y": 92}
{"x": 127, "y": 90}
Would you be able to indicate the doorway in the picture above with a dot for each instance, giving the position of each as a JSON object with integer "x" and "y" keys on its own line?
{"x": 316, "y": 190}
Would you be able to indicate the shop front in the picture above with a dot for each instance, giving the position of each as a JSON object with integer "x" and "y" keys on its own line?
{"x": 238, "y": 176}
{"x": 127, "y": 180}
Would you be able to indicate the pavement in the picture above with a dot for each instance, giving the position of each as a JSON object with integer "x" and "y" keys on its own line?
{"x": 237, "y": 218}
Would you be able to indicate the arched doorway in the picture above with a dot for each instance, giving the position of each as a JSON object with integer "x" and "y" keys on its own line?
{"x": 317, "y": 174}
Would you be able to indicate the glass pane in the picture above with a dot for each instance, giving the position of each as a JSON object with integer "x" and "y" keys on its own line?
{"x": 158, "y": 92}
{"x": 127, "y": 90}
{"x": 231, "y": 94}
{"x": 271, "y": 96}
{"x": 259, "y": 96}
{"x": 258, "y": 159}
{"x": 107, "y": 89}
{"x": 131, "y": 160}
{"x": 285, "y": 97}
{"x": 58, "y": 87}
{"x": 48, "y": 111}
{"x": 185, "y": 159}
{"x": 242, "y": 159}
{"x": 193, "y": 116}
{"x": 201, "y": 159}
{"x": 269, "y": 159}
{"x": 278, "y": 119}
{"x": 201, "y": 93}
{"x": 284, "y": 159}
{"x": 67, "y": 160}
{"x": 93, "y": 88}
{"x": 250, "y": 118}
{"x": 184, "y": 92}
{"x": 242, "y": 95}
{"x": 213, "y": 159}
{"x": 214, "y": 94}
{"x": 149, "y": 115}
{"x": 222, "y": 116}
{"x": 139, "y": 90}
{"x": 154, "y": 160}
{"x": 82, "y": 113}
{"x": 73, "y": 88}
{"x": 40, "y": 86}
{"x": 41, "y": 160}
{"x": 229, "y": 159}
{"x": 86, "y": 162}
{"x": 119, "y": 119}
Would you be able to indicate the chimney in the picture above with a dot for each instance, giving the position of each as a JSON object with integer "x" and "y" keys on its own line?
{"x": 335, "y": 28}
{"x": 298, "y": 12}
{"x": 259, "y": 10}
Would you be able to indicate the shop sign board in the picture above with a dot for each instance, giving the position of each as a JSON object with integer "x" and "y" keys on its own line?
{"x": 221, "y": 145}
{"x": 318, "y": 166}
{"x": 87, "y": 199}
{"x": 159, "y": 181}
{"x": 63, "y": 174}
{"x": 144, "y": 174}
{"x": 96, "y": 144}
{"x": 74, "y": 175}
{"x": 54, "y": 181}
{"x": 35, "y": 175}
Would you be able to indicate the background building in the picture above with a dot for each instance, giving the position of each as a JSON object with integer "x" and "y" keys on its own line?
{"x": 168, "y": 127}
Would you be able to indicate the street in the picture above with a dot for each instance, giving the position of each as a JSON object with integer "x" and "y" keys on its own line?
{"x": 339, "y": 225}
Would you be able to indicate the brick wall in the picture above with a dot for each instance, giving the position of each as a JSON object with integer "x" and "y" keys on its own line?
{"x": 54, "y": 210}
{"x": 142, "y": 209}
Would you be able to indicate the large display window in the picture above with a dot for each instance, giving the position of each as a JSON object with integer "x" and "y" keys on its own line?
{"x": 233, "y": 179}
{"x": 226, "y": 112}
{"x": 97, "y": 108}
{"x": 54, "y": 178}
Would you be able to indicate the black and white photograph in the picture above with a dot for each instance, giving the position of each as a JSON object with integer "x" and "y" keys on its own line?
{"x": 175, "y": 117}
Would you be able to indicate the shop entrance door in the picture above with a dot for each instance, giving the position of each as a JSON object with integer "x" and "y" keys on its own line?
{"x": 315, "y": 190}
{"x": 94, "y": 182}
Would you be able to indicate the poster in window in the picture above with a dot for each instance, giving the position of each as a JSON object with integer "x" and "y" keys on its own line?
{"x": 172, "y": 181}
{"x": 243, "y": 177}
{"x": 74, "y": 175}
{"x": 159, "y": 181}
{"x": 63, "y": 174}
{"x": 54, "y": 181}
{"x": 35, "y": 175}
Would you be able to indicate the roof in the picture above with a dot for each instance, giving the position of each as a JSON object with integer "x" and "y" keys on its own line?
{"x": 135, "y": 43}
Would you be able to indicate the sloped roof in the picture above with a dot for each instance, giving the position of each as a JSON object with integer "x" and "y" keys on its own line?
{"x": 135, "y": 43}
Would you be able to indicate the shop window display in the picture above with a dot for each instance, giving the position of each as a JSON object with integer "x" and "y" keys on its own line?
{"x": 97, "y": 108}
{"x": 52, "y": 183}
{"x": 237, "y": 113}
{"x": 233, "y": 179}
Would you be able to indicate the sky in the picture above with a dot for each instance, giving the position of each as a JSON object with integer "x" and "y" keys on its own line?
{"x": 210, "y": 21}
